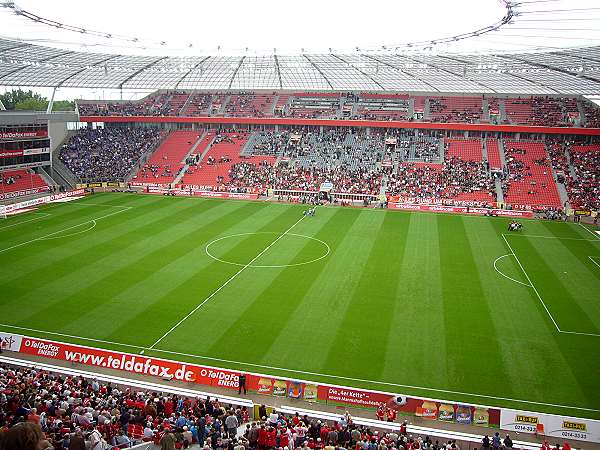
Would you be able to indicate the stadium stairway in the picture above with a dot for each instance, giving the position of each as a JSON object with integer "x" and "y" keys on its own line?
{"x": 536, "y": 186}
{"x": 485, "y": 106}
{"x": 227, "y": 149}
{"x": 194, "y": 147}
{"x": 484, "y": 152}
{"x": 47, "y": 177}
{"x": 168, "y": 158}
{"x": 494, "y": 157}
{"x": 499, "y": 193}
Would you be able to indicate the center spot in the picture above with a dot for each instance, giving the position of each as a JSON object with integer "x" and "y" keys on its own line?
{"x": 311, "y": 250}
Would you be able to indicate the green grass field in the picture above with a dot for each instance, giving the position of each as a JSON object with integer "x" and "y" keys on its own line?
{"x": 403, "y": 302}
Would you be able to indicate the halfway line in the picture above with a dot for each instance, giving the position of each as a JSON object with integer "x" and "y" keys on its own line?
{"x": 224, "y": 284}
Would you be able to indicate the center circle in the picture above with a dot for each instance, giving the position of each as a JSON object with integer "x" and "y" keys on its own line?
{"x": 325, "y": 250}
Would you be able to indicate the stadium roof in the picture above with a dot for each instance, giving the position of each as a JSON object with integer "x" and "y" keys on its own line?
{"x": 569, "y": 71}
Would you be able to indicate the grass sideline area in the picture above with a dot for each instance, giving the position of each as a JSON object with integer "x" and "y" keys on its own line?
{"x": 407, "y": 302}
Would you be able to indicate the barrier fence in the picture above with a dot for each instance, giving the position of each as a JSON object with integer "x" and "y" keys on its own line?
{"x": 562, "y": 427}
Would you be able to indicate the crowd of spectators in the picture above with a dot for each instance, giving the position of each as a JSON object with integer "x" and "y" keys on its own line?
{"x": 75, "y": 412}
{"x": 453, "y": 179}
{"x": 448, "y": 110}
{"x": 584, "y": 187}
{"x": 535, "y": 110}
{"x": 45, "y": 411}
{"x": 107, "y": 154}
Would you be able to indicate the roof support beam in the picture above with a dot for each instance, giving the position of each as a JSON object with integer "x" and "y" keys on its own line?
{"x": 85, "y": 68}
{"x": 191, "y": 70}
{"x": 278, "y": 71}
{"x": 318, "y": 70}
{"x": 514, "y": 76}
{"x": 39, "y": 61}
{"x": 236, "y": 71}
{"x": 137, "y": 72}
{"x": 361, "y": 71}
{"x": 433, "y": 88}
{"x": 557, "y": 69}
{"x": 451, "y": 72}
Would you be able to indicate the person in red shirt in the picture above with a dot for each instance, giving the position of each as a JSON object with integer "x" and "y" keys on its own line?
{"x": 324, "y": 432}
{"x": 545, "y": 446}
{"x": 403, "y": 428}
{"x": 381, "y": 412}
{"x": 284, "y": 439}
{"x": 391, "y": 415}
{"x": 262, "y": 437}
{"x": 271, "y": 437}
{"x": 566, "y": 446}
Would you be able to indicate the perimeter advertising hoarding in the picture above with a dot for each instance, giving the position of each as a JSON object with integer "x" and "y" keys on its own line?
{"x": 39, "y": 201}
{"x": 10, "y": 153}
{"x": 23, "y": 134}
{"x": 23, "y": 192}
{"x": 206, "y": 194}
{"x": 461, "y": 210}
{"x": 555, "y": 426}
{"x": 550, "y": 425}
{"x": 9, "y": 341}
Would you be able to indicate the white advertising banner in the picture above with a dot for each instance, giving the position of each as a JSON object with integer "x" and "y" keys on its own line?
{"x": 560, "y": 427}
{"x": 9, "y": 341}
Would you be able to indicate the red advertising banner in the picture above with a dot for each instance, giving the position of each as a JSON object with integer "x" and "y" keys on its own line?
{"x": 345, "y": 123}
{"x": 425, "y": 408}
{"x": 40, "y": 200}
{"x": 263, "y": 384}
{"x": 10, "y": 153}
{"x": 131, "y": 363}
{"x": 461, "y": 210}
{"x": 23, "y": 134}
{"x": 206, "y": 194}
{"x": 23, "y": 192}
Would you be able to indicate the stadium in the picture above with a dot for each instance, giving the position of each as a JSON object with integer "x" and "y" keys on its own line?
{"x": 346, "y": 231}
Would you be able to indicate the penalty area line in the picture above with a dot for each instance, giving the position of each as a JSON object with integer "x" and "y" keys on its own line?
{"x": 532, "y": 285}
{"x": 49, "y": 236}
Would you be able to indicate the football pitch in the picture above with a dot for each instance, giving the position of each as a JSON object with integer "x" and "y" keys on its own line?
{"x": 444, "y": 306}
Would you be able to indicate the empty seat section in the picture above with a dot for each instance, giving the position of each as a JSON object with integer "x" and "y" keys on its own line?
{"x": 167, "y": 160}
{"x": 493, "y": 152}
{"x": 213, "y": 171}
{"x": 465, "y": 149}
{"x": 15, "y": 183}
{"x": 529, "y": 180}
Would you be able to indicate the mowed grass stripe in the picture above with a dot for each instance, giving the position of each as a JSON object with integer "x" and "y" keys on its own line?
{"x": 59, "y": 254}
{"x": 365, "y": 327}
{"x": 527, "y": 356}
{"x": 69, "y": 214}
{"x": 202, "y": 280}
{"x": 305, "y": 337}
{"x": 58, "y": 258}
{"x": 575, "y": 272}
{"x": 471, "y": 336}
{"x": 559, "y": 300}
{"x": 416, "y": 354}
{"x": 231, "y": 299}
{"x": 280, "y": 291}
{"x": 133, "y": 264}
{"x": 581, "y": 250}
{"x": 92, "y": 280}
